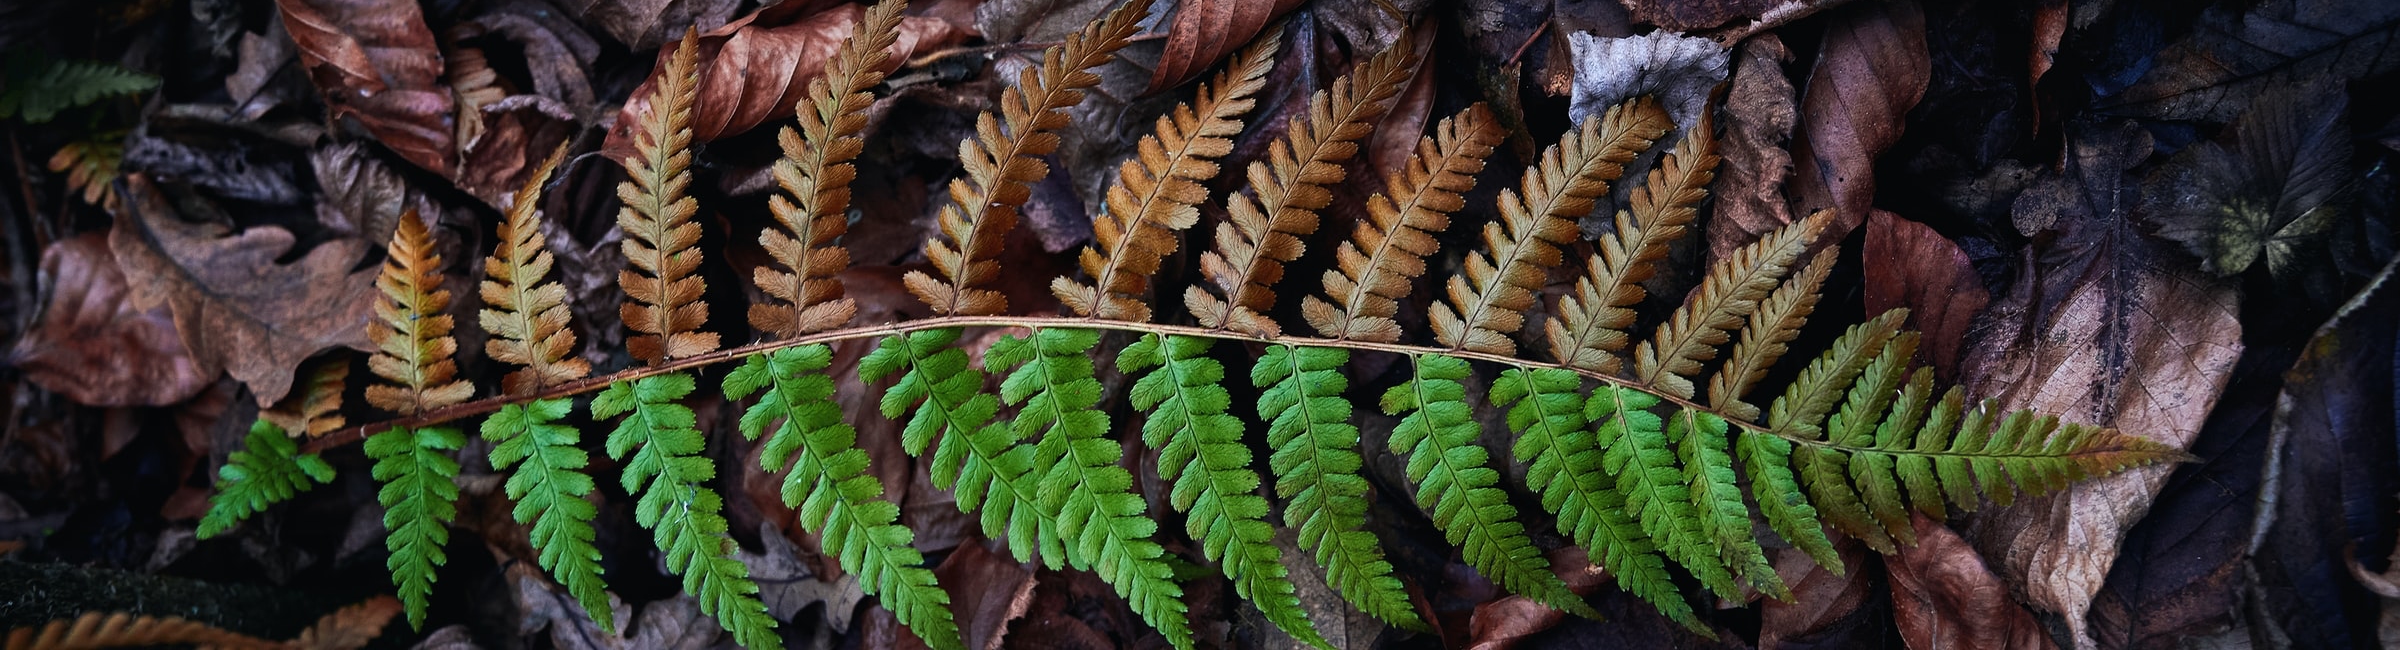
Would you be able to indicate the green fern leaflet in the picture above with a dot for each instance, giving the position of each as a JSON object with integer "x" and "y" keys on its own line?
{"x": 419, "y": 501}
{"x": 669, "y": 477}
{"x": 549, "y": 488}
{"x": 267, "y": 470}
{"x": 1316, "y": 463}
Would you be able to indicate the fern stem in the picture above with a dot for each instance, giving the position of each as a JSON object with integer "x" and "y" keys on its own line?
{"x": 489, "y": 404}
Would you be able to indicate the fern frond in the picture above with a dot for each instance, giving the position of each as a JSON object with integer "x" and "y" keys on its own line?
{"x": 1436, "y": 437}
{"x": 414, "y": 346}
{"x": 1765, "y": 338}
{"x": 815, "y": 173}
{"x": 1728, "y": 295}
{"x": 1635, "y": 448}
{"x": 1488, "y": 301}
{"x": 269, "y": 469}
{"x": 1158, "y": 192}
{"x": 1263, "y": 229}
{"x": 668, "y": 475}
{"x": 980, "y": 459}
{"x": 1316, "y": 464}
{"x": 38, "y": 89}
{"x": 549, "y": 488}
{"x": 419, "y": 501}
{"x": 1004, "y": 159}
{"x": 91, "y": 167}
{"x": 1767, "y": 460}
{"x": 1589, "y": 330}
{"x": 315, "y": 409}
{"x": 1563, "y": 465}
{"x": 1201, "y": 454}
{"x": 526, "y": 311}
{"x": 1724, "y": 521}
{"x": 830, "y": 487}
{"x": 1082, "y": 487}
{"x": 412, "y": 330}
{"x": 123, "y": 629}
{"x": 1387, "y": 251}
{"x": 662, "y": 295}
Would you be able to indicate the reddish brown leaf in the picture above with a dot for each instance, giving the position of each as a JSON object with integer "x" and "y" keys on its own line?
{"x": 1821, "y": 600}
{"x": 753, "y": 71}
{"x": 1872, "y": 69}
{"x": 1909, "y": 265}
{"x": 1760, "y": 110}
{"x": 648, "y": 24}
{"x": 1943, "y": 597}
{"x": 987, "y": 591}
{"x": 1395, "y": 137}
{"x": 94, "y": 345}
{"x": 235, "y": 305}
{"x": 1207, "y": 31}
{"x": 1504, "y": 623}
{"x": 375, "y": 61}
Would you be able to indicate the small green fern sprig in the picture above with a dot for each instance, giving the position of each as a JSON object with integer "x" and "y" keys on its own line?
{"x": 1082, "y": 487}
{"x": 267, "y": 470}
{"x": 37, "y": 88}
{"x": 1201, "y": 454}
{"x": 419, "y": 500}
{"x": 668, "y": 474}
{"x": 1436, "y": 437}
{"x": 828, "y": 483}
{"x": 1316, "y": 463}
{"x": 976, "y": 457}
{"x": 549, "y": 488}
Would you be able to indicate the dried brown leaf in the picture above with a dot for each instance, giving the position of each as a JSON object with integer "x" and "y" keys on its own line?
{"x": 649, "y": 24}
{"x": 412, "y": 330}
{"x": 662, "y": 290}
{"x": 1207, "y": 30}
{"x": 1923, "y": 271}
{"x": 121, "y": 629}
{"x": 1386, "y": 253}
{"x": 1872, "y": 69}
{"x": 1760, "y": 111}
{"x": 1688, "y": 15}
{"x": 93, "y": 344}
{"x": 377, "y": 62}
{"x": 235, "y": 305}
{"x": 1944, "y": 597}
{"x": 1730, "y": 293}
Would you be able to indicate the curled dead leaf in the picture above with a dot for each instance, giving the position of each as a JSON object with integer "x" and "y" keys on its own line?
{"x": 376, "y": 61}
{"x": 1207, "y": 31}
{"x": 1872, "y": 68}
{"x": 1759, "y": 113}
{"x": 1943, "y": 597}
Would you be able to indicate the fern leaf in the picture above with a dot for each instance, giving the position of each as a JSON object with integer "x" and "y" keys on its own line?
{"x": 1201, "y": 454}
{"x": 1724, "y": 521}
{"x": 662, "y": 293}
{"x": 830, "y": 488}
{"x": 38, "y": 89}
{"x": 667, "y": 474}
{"x": 419, "y": 501}
{"x": 1387, "y": 251}
{"x": 1765, "y": 338}
{"x": 1635, "y": 449}
{"x": 549, "y": 488}
{"x": 1436, "y": 438}
{"x": 1082, "y": 487}
{"x": 1767, "y": 460}
{"x": 315, "y": 409}
{"x": 1004, "y": 159}
{"x": 975, "y": 456}
{"x": 91, "y": 168}
{"x": 124, "y": 629}
{"x": 1589, "y": 331}
{"x": 1488, "y": 301}
{"x": 1729, "y": 294}
{"x": 815, "y": 173}
{"x": 1262, "y": 230}
{"x": 1316, "y": 464}
{"x": 1158, "y": 192}
{"x": 526, "y": 311}
{"x": 414, "y": 348}
{"x": 269, "y": 469}
{"x": 1545, "y": 409}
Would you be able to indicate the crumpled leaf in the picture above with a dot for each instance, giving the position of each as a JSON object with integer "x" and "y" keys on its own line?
{"x": 1919, "y": 269}
{"x": 2266, "y": 190}
{"x": 1871, "y": 69}
{"x": 2241, "y": 51}
{"x": 1681, "y": 71}
{"x": 235, "y": 305}
{"x": 93, "y": 344}
{"x": 787, "y": 585}
{"x": 2099, "y": 330}
{"x": 753, "y": 70}
{"x": 2334, "y": 433}
{"x": 376, "y": 61}
{"x": 1825, "y": 610}
{"x": 361, "y": 198}
{"x": 1207, "y": 31}
{"x": 234, "y": 171}
{"x": 671, "y": 624}
{"x": 1943, "y": 597}
{"x": 1760, "y": 111}
{"x": 1688, "y": 15}
{"x": 647, "y": 24}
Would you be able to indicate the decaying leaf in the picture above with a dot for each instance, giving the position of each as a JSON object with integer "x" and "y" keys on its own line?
{"x": 1207, "y": 31}
{"x": 1760, "y": 110}
{"x": 1919, "y": 269}
{"x": 1943, "y": 597}
{"x": 1679, "y": 71}
{"x": 1871, "y": 70}
{"x": 787, "y": 585}
{"x": 1687, "y": 15}
{"x": 94, "y": 344}
{"x": 2241, "y": 51}
{"x": 235, "y": 305}
{"x": 1825, "y": 607}
{"x": 2267, "y": 190}
{"x": 647, "y": 24}
{"x": 2098, "y": 331}
{"x": 753, "y": 71}
{"x": 376, "y": 61}
{"x": 992, "y": 591}
{"x": 670, "y": 624}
